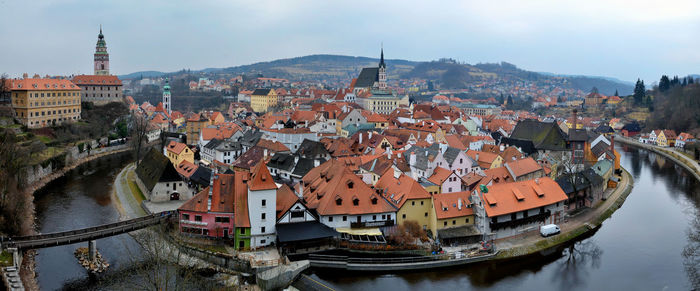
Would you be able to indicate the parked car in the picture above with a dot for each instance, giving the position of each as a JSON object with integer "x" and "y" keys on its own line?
{"x": 549, "y": 229}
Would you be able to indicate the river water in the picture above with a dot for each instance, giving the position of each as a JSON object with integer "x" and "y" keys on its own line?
{"x": 639, "y": 248}
{"x": 82, "y": 198}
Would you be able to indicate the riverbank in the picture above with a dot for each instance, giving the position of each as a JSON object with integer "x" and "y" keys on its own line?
{"x": 27, "y": 270}
{"x": 689, "y": 164}
{"x": 582, "y": 224}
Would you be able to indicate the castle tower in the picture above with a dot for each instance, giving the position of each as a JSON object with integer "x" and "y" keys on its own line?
{"x": 382, "y": 72}
{"x": 166, "y": 97}
{"x": 101, "y": 55}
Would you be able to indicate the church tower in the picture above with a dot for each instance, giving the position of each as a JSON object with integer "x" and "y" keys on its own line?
{"x": 101, "y": 55}
{"x": 166, "y": 97}
{"x": 382, "y": 72}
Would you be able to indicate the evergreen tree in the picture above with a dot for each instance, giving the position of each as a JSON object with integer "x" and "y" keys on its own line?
{"x": 510, "y": 100}
{"x": 639, "y": 92}
{"x": 690, "y": 80}
{"x": 664, "y": 83}
{"x": 616, "y": 94}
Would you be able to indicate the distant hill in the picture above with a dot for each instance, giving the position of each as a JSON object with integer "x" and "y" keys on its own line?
{"x": 449, "y": 74}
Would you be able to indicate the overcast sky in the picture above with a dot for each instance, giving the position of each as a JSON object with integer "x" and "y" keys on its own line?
{"x": 621, "y": 39}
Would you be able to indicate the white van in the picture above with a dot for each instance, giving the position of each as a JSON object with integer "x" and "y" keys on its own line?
{"x": 549, "y": 229}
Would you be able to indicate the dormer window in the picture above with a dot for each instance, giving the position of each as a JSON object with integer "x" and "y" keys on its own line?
{"x": 350, "y": 184}
{"x": 374, "y": 200}
{"x": 338, "y": 201}
{"x": 355, "y": 201}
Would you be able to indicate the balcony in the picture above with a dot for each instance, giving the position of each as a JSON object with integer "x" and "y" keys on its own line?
{"x": 522, "y": 221}
{"x": 379, "y": 223}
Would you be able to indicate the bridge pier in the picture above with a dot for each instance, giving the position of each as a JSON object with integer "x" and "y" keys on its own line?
{"x": 92, "y": 250}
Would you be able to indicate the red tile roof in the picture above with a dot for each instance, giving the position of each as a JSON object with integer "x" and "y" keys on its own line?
{"x": 504, "y": 198}
{"x": 176, "y": 147}
{"x": 332, "y": 189}
{"x": 186, "y": 169}
{"x": 260, "y": 178}
{"x": 439, "y": 175}
{"x": 103, "y": 80}
{"x": 41, "y": 84}
{"x": 400, "y": 190}
{"x": 450, "y": 205}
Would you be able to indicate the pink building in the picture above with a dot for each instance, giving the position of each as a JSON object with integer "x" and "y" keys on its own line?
{"x": 211, "y": 211}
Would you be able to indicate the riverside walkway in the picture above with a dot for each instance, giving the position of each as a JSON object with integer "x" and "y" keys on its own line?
{"x": 84, "y": 234}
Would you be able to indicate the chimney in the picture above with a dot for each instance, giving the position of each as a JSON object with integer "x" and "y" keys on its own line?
{"x": 265, "y": 153}
{"x": 370, "y": 135}
{"x": 476, "y": 157}
{"x": 612, "y": 143}
{"x": 25, "y": 76}
{"x": 574, "y": 123}
{"x": 412, "y": 159}
{"x": 537, "y": 181}
{"x": 296, "y": 159}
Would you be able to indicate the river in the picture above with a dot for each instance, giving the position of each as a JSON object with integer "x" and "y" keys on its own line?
{"x": 639, "y": 248}
{"x": 81, "y": 198}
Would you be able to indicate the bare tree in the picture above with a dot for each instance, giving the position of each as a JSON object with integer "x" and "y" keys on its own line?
{"x": 12, "y": 160}
{"x": 139, "y": 131}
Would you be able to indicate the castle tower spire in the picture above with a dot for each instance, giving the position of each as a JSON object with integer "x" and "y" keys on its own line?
{"x": 166, "y": 97}
{"x": 101, "y": 55}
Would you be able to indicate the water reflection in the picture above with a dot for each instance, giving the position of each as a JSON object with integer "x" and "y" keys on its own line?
{"x": 652, "y": 242}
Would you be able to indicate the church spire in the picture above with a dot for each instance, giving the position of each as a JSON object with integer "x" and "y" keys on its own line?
{"x": 381, "y": 59}
{"x": 101, "y": 61}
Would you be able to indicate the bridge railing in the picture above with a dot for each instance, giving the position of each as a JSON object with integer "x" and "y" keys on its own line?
{"x": 155, "y": 216}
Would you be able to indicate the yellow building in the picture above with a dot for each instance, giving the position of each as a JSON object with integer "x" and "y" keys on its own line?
{"x": 45, "y": 102}
{"x": 178, "y": 152}
{"x": 414, "y": 203}
{"x": 194, "y": 126}
{"x": 451, "y": 210}
{"x": 381, "y": 102}
{"x": 263, "y": 99}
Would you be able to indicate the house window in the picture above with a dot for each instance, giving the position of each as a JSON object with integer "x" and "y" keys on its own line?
{"x": 454, "y": 222}
{"x": 242, "y": 230}
{"x": 355, "y": 202}
{"x": 413, "y": 203}
{"x": 262, "y": 229}
{"x": 264, "y": 203}
{"x": 222, "y": 219}
{"x": 330, "y": 219}
{"x": 444, "y": 223}
{"x": 426, "y": 214}
{"x": 297, "y": 214}
{"x": 403, "y": 216}
{"x": 374, "y": 217}
{"x": 421, "y": 203}
{"x": 467, "y": 220}
{"x": 262, "y": 216}
{"x": 185, "y": 216}
{"x": 262, "y": 241}
{"x": 198, "y": 218}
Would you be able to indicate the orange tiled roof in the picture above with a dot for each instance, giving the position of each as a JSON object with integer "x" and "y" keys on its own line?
{"x": 285, "y": 200}
{"x": 401, "y": 189}
{"x": 176, "y": 147}
{"x": 523, "y": 166}
{"x": 260, "y": 178}
{"x": 447, "y": 205}
{"x": 273, "y": 146}
{"x": 439, "y": 175}
{"x": 35, "y": 84}
{"x": 186, "y": 169}
{"x": 332, "y": 189}
{"x": 97, "y": 80}
{"x": 504, "y": 198}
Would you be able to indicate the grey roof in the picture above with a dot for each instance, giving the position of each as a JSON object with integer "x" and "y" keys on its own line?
{"x": 304, "y": 166}
{"x": 421, "y": 156}
{"x": 604, "y": 128}
{"x": 251, "y": 137}
{"x": 602, "y": 167}
{"x": 201, "y": 176}
{"x": 282, "y": 161}
{"x": 228, "y": 145}
{"x": 261, "y": 92}
{"x": 451, "y": 154}
{"x": 310, "y": 148}
{"x": 543, "y": 135}
{"x": 367, "y": 77}
{"x": 303, "y": 231}
{"x": 154, "y": 168}
{"x": 578, "y": 135}
{"x": 213, "y": 143}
